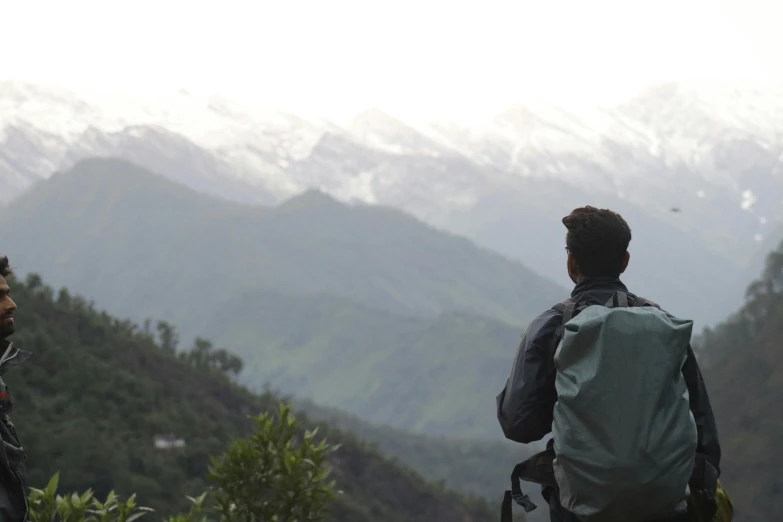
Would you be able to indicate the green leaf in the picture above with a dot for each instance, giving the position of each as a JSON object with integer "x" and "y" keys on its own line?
{"x": 51, "y": 487}
{"x": 135, "y": 516}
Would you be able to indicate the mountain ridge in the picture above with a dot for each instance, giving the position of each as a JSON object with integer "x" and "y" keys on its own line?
{"x": 143, "y": 246}
{"x": 641, "y": 153}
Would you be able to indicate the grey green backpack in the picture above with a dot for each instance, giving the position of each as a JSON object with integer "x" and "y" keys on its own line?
{"x": 624, "y": 436}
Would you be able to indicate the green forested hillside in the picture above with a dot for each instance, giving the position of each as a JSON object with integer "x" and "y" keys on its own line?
{"x": 436, "y": 376}
{"x": 98, "y": 390}
{"x": 745, "y": 379}
{"x": 124, "y": 235}
{"x": 474, "y": 467}
{"x": 361, "y": 308}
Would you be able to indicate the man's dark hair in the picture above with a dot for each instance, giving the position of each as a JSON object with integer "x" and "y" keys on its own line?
{"x": 598, "y": 240}
{"x": 5, "y": 267}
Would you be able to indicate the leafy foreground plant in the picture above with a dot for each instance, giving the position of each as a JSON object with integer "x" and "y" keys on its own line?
{"x": 273, "y": 475}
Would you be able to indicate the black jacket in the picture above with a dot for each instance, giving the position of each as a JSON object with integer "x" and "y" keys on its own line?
{"x": 526, "y": 405}
{"x": 13, "y": 488}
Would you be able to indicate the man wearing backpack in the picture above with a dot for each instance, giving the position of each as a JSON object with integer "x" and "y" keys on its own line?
{"x": 614, "y": 379}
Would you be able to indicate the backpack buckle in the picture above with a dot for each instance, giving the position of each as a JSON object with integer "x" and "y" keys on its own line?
{"x": 524, "y": 501}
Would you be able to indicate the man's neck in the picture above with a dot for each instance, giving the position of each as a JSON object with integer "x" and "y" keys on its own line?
{"x": 590, "y": 283}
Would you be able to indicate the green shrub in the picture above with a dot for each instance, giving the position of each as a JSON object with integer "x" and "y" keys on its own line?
{"x": 274, "y": 475}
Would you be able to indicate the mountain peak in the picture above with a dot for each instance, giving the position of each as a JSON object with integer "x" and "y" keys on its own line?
{"x": 311, "y": 199}
{"x": 106, "y": 173}
{"x": 116, "y": 177}
{"x": 377, "y": 129}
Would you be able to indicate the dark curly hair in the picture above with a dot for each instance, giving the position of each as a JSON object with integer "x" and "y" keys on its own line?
{"x": 5, "y": 267}
{"x": 598, "y": 239}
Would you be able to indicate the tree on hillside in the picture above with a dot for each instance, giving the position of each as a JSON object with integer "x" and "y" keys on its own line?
{"x": 276, "y": 474}
{"x": 33, "y": 282}
{"x": 763, "y": 297}
{"x": 169, "y": 338}
{"x": 64, "y": 297}
{"x": 205, "y": 355}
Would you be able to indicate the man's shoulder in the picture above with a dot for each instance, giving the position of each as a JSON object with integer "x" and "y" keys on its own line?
{"x": 544, "y": 324}
{"x": 553, "y": 313}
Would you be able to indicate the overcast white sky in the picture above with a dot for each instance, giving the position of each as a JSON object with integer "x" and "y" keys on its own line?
{"x": 418, "y": 58}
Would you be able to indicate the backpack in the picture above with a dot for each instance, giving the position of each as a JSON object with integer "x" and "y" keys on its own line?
{"x": 624, "y": 438}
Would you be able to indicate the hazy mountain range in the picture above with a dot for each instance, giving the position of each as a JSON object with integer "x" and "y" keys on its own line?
{"x": 713, "y": 152}
{"x": 361, "y": 307}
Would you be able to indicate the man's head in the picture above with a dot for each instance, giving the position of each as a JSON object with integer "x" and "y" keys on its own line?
{"x": 597, "y": 243}
{"x": 7, "y": 305}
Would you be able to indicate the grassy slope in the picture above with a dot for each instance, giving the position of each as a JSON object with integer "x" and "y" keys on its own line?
{"x": 437, "y": 376}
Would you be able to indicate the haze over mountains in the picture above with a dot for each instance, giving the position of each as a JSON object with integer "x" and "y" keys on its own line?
{"x": 714, "y": 151}
{"x": 319, "y": 298}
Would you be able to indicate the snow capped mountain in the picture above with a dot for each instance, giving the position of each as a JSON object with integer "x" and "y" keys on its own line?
{"x": 683, "y": 126}
{"x": 251, "y": 140}
{"x": 719, "y": 143}
{"x": 27, "y": 153}
{"x": 169, "y": 154}
{"x": 667, "y": 128}
{"x": 714, "y": 151}
{"x": 652, "y": 138}
{"x": 524, "y": 132}
{"x": 377, "y": 129}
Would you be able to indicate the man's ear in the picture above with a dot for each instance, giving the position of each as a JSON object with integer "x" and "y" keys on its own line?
{"x": 573, "y": 269}
{"x": 626, "y": 258}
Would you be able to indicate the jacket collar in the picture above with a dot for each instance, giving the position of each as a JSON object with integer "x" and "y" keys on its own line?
{"x": 588, "y": 284}
{"x": 10, "y": 355}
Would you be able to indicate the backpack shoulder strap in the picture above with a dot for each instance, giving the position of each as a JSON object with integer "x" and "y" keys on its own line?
{"x": 567, "y": 308}
{"x": 618, "y": 299}
{"x": 621, "y": 299}
{"x": 642, "y": 301}
{"x": 537, "y": 469}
